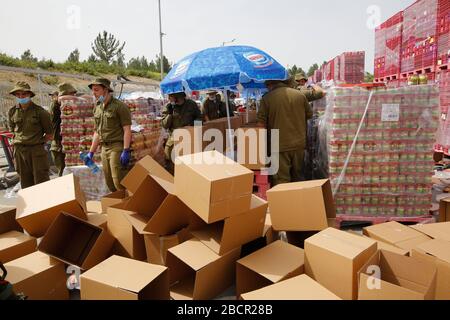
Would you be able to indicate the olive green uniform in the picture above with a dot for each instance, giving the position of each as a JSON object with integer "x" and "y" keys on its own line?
{"x": 58, "y": 155}
{"x": 183, "y": 116}
{"x": 29, "y": 127}
{"x": 109, "y": 123}
{"x": 287, "y": 110}
{"x": 313, "y": 93}
{"x": 212, "y": 109}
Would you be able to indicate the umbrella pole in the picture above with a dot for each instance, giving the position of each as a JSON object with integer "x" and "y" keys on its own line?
{"x": 230, "y": 134}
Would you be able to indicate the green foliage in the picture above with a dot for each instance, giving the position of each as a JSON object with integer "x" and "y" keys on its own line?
{"x": 74, "y": 56}
{"x": 106, "y": 47}
{"x": 50, "y": 80}
{"x": 312, "y": 69}
{"x": 369, "y": 77}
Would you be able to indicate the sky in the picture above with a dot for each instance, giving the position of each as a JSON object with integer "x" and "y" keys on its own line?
{"x": 292, "y": 31}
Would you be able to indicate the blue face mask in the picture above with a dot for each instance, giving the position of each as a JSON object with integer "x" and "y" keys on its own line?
{"x": 101, "y": 99}
{"x": 23, "y": 100}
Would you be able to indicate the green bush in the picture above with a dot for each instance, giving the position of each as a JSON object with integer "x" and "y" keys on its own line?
{"x": 51, "y": 80}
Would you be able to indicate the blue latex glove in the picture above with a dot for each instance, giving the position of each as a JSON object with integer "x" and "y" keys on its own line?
{"x": 89, "y": 157}
{"x": 125, "y": 158}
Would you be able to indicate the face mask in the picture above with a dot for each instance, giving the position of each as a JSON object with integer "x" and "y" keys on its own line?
{"x": 23, "y": 100}
{"x": 212, "y": 98}
{"x": 101, "y": 99}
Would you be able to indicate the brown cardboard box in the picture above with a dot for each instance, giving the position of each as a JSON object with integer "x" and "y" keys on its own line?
{"x": 197, "y": 273}
{"x": 396, "y": 234}
{"x": 334, "y": 257}
{"x": 119, "y": 278}
{"x": 14, "y": 244}
{"x": 296, "y": 289}
{"x": 76, "y": 242}
{"x": 252, "y": 148}
{"x": 435, "y": 230}
{"x": 444, "y": 210}
{"x": 128, "y": 229}
{"x": 213, "y": 186}
{"x": 276, "y": 262}
{"x": 386, "y": 246}
{"x": 232, "y": 233}
{"x": 157, "y": 246}
{"x": 8, "y": 220}
{"x": 37, "y": 208}
{"x": 437, "y": 252}
{"x": 302, "y": 206}
{"x": 39, "y": 277}
{"x": 113, "y": 199}
{"x": 402, "y": 278}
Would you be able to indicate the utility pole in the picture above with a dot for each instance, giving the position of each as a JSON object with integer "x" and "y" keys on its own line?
{"x": 161, "y": 35}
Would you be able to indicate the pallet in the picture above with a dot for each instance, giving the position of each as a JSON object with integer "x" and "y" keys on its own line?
{"x": 340, "y": 219}
{"x": 261, "y": 185}
{"x": 427, "y": 70}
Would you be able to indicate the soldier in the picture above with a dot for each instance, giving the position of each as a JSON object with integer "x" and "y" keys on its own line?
{"x": 212, "y": 107}
{"x": 312, "y": 93}
{"x": 59, "y": 157}
{"x": 287, "y": 110}
{"x": 32, "y": 129}
{"x": 179, "y": 113}
{"x": 113, "y": 131}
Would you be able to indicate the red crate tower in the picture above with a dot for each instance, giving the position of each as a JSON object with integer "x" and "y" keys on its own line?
{"x": 443, "y": 34}
{"x": 380, "y": 53}
{"x": 393, "y": 44}
{"x": 352, "y": 67}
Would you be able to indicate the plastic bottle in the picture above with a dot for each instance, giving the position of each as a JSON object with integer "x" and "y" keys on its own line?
{"x": 90, "y": 163}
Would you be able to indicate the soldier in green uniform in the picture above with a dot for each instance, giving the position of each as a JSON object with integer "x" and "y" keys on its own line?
{"x": 212, "y": 107}
{"x": 287, "y": 110}
{"x": 179, "y": 113}
{"x": 113, "y": 131}
{"x": 59, "y": 157}
{"x": 32, "y": 129}
{"x": 312, "y": 93}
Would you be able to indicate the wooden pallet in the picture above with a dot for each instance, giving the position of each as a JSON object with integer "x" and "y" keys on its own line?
{"x": 341, "y": 219}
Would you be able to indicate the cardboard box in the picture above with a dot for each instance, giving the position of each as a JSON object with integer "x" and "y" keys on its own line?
{"x": 232, "y": 233}
{"x": 14, "y": 244}
{"x": 296, "y": 289}
{"x": 76, "y": 242}
{"x": 437, "y": 252}
{"x": 39, "y": 277}
{"x": 213, "y": 186}
{"x": 396, "y": 234}
{"x": 157, "y": 247}
{"x": 276, "y": 262}
{"x": 113, "y": 199}
{"x": 386, "y": 246}
{"x": 8, "y": 220}
{"x": 435, "y": 230}
{"x": 334, "y": 257}
{"x": 119, "y": 278}
{"x": 38, "y": 206}
{"x": 128, "y": 229}
{"x": 402, "y": 278}
{"x": 253, "y": 153}
{"x": 302, "y": 206}
{"x": 197, "y": 273}
{"x": 444, "y": 210}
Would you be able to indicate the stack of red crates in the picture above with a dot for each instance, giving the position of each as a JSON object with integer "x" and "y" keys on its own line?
{"x": 317, "y": 76}
{"x": 329, "y": 71}
{"x": 393, "y": 45}
{"x": 380, "y": 53}
{"x": 443, "y": 32}
{"x": 351, "y": 67}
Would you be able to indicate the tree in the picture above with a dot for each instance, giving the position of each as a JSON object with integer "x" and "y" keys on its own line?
{"x": 92, "y": 58}
{"x": 74, "y": 56}
{"x": 368, "y": 77}
{"x": 312, "y": 69}
{"x": 106, "y": 47}
{"x": 166, "y": 64}
{"x": 28, "y": 56}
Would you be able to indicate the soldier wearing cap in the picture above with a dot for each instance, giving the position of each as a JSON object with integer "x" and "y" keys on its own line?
{"x": 59, "y": 157}
{"x": 113, "y": 131}
{"x": 312, "y": 93}
{"x": 179, "y": 113}
{"x": 287, "y": 110}
{"x": 32, "y": 129}
{"x": 213, "y": 106}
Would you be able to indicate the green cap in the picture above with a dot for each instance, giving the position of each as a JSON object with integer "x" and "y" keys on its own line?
{"x": 102, "y": 82}
{"x": 300, "y": 76}
{"x": 21, "y": 86}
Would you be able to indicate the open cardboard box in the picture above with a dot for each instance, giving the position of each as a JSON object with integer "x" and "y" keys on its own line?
{"x": 213, "y": 186}
{"x": 402, "y": 278}
{"x": 197, "y": 273}
{"x": 276, "y": 262}
{"x": 334, "y": 257}
{"x": 396, "y": 234}
{"x": 444, "y": 210}
{"x": 233, "y": 232}
{"x": 437, "y": 252}
{"x": 37, "y": 208}
{"x": 119, "y": 278}
{"x": 76, "y": 242}
{"x": 435, "y": 230}
{"x": 302, "y": 206}
{"x": 298, "y": 288}
{"x": 38, "y": 277}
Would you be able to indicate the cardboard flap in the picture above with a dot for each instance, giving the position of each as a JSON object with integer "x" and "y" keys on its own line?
{"x": 393, "y": 232}
{"x": 138, "y": 222}
{"x": 275, "y": 261}
{"x": 124, "y": 273}
{"x": 299, "y": 185}
{"x": 435, "y": 230}
{"x": 437, "y": 248}
{"x": 147, "y": 198}
{"x": 211, "y": 236}
{"x": 195, "y": 254}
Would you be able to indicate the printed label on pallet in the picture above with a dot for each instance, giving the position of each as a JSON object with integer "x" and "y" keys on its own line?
{"x": 390, "y": 113}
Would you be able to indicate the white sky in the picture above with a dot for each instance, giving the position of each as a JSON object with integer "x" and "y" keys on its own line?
{"x": 293, "y": 31}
